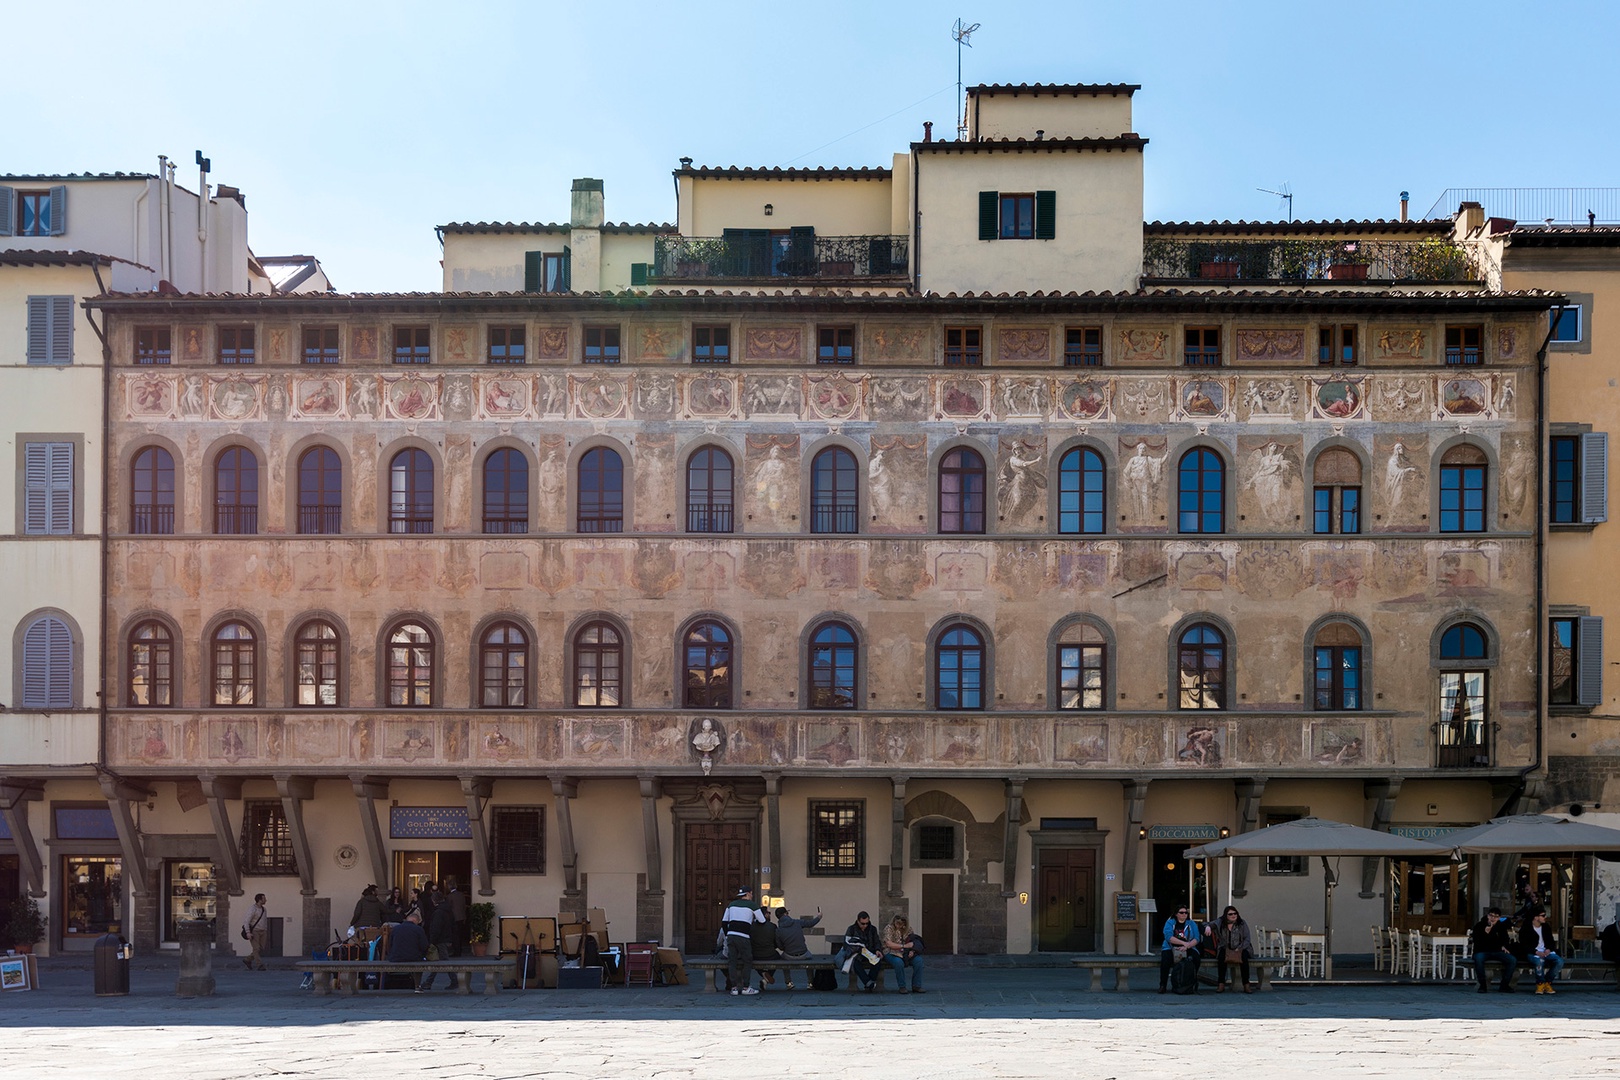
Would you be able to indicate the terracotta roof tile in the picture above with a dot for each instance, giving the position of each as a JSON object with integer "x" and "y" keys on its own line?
{"x": 820, "y": 172}
{"x": 1056, "y": 89}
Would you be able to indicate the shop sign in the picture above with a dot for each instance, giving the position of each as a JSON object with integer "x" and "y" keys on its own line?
{"x": 1183, "y": 832}
{"x": 428, "y": 823}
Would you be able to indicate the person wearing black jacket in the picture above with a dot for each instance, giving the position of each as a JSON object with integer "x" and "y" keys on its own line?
{"x": 1538, "y": 947}
{"x": 442, "y": 933}
{"x": 862, "y": 934}
{"x": 1491, "y": 945}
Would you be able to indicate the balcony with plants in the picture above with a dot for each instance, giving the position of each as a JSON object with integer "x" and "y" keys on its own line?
{"x": 1171, "y": 260}
{"x": 798, "y": 255}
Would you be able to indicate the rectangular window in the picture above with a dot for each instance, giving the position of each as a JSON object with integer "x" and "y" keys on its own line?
{"x": 711, "y": 345}
{"x": 1575, "y": 660}
{"x": 50, "y": 330}
{"x": 266, "y": 839}
{"x": 601, "y": 344}
{"x": 1289, "y": 865}
{"x": 1337, "y": 510}
{"x": 1338, "y": 677}
{"x": 837, "y": 838}
{"x": 962, "y": 347}
{"x": 1579, "y": 474}
{"x": 1080, "y": 676}
{"x": 1017, "y": 215}
{"x": 39, "y": 213}
{"x": 1566, "y": 324}
{"x": 48, "y": 502}
{"x": 236, "y": 345}
{"x": 413, "y": 345}
{"x": 152, "y": 345}
{"x": 935, "y": 843}
{"x": 507, "y": 345}
{"x": 1082, "y": 346}
{"x": 321, "y": 345}
{"x": 1203, "y": 346}
{"x": 1462, "y": 719}
{"x": 1462, "y": 498}
{"x": 517, "y": 840}
{"x": 1565, "y": 472}
{"x": 835, "y": 345}
{"x": 1464, "y": 344}
{"x": 1336, "y": 345}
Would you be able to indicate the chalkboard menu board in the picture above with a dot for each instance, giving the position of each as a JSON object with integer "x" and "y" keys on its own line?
{"x": 1125, "y": 907}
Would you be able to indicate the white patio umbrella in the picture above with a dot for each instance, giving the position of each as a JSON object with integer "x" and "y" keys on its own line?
{"x": 1532, "y": 833}
{"x": 1317, "y": 836}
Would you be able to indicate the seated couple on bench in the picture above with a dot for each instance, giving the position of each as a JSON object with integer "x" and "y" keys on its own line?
{"x": 863, "y": 952}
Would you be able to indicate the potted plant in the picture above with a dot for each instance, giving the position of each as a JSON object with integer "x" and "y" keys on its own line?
{"x": 480, "y": 923}
{"x": 1349, "y": 263}
{"x": 27, "y": 925}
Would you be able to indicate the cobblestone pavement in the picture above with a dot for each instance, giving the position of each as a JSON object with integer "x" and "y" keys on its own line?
{"x": 974, "y": 1022}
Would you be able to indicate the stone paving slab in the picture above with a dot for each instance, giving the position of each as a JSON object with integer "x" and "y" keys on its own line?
{"x": 974, "y": 1022}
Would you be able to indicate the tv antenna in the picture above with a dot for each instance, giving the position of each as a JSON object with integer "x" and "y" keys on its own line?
{"x": 961, "y": 32}
{"x": 1285, "y": 194}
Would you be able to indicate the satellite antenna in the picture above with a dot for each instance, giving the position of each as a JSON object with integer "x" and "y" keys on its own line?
{"x": 1285, "y": 195}
{"x": 961, "y": 32}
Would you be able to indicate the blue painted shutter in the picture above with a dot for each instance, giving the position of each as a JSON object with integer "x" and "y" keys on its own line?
{"x": 58, "y": 210}
{"x": 989, "y": 214}
{"x": 47, "y": 665}
{"x": 1589, "y": 672}
{"x": 1594, "y": 477}
{"x": 48, "y": 497}
{"x": 1045, "y": 215}
{"x": 534, "y": 263}
{"x": 8, "y": 211}
{"x": 50, "y": 330}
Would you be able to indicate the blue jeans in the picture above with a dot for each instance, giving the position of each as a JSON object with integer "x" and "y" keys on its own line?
{"x": 1542, "y": 963}
{"x": 861, "y": 969}
{"x": 1508, "y": 961}
{"x": 914, "y": 962}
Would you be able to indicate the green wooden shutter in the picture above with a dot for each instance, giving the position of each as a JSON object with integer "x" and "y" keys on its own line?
{"x": 568, "y": 269}
{"x": 1045, "y": 215}
{"x": 989, "y": 214}
{"x": 534, "y": 265}
{"x": 638, "y": 274}
{"x": 58, "y": 210}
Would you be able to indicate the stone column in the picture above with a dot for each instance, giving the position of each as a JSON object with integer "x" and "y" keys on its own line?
{"x": 196, "y": 960}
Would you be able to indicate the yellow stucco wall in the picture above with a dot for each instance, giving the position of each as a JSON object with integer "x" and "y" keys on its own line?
{"x": 836, "y": 207}
{"x": 1060, "y": 116}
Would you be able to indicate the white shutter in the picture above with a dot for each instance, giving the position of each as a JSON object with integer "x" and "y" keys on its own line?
{"x": 8, "y": 211}
{"x": 59, "y": 210}
{"x": 47, "y": 665}
{"x": 1594, "y": 477}
{"x": 1589, "y": 669}
{"x": 60, "y": 347}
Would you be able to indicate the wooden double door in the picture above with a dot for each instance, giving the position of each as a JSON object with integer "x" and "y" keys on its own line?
{"x": 1066, "y": 894}
{"x": 719, "y": 861}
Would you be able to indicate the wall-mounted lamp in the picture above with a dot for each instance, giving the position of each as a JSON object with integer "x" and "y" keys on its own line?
{"x": 1434, "y": 809}
{"x": 1141, "y": 834}
{"x": 769, "y": 209}
{"x": 1225, "y": 832}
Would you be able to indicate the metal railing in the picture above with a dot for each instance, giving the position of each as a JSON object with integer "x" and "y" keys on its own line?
{"x": 687, "y": 258}
{"x": 400, "y": 521}
{"x": 236, "y": 519}
{"x": 1433, "y": 259}
{"x": 708, "y": 518}
{"x": 150, "y": 520}
{"x": 320, "y": 520}
{"x": 1535, "y": 205}
{"x": 506, "y": 523}
{"x": 828, "y": 517}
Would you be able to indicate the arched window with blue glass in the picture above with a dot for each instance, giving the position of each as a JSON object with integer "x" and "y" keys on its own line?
{"x": 1201, "y": 492}
{"x": 1201, "y": 668}
{"x": 1464, "y": 660}
{"x": 1082, "y": 503}
{"x": 959, "y": 681}
{"x": 832, "y": 667}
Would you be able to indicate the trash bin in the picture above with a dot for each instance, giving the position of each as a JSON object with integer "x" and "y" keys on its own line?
{"x": 112, "y": 966}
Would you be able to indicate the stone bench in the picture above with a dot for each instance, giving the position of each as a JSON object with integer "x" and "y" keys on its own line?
{"x": 1122, "y": 966}
{"x": 348, "y": 972}
{"x": 711, "y": 964}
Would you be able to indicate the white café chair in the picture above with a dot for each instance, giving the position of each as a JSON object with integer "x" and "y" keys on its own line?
{"x": 1421, "y": 962}
{"x": 1378, "y": 948}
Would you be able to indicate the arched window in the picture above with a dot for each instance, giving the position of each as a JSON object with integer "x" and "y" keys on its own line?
{"x": 834, "y": 492}
{"x": 1201, "y": 492}
{"x": 1201, "y": 668}
{"x": 961, "y": 492}
{"x": 1336, "y": 654}
{"x": 1336, "y": 492}
{"x": 504, "y": 660}
{"x": 1082, "y": 503}
{"x": 47, "y": 664}
{"x": 151, "y": 666}
{"x": 598, "y": 667}
{"x": 506, "y": 492}
{"x": 320, "y": 492}
{"x": 151, "y": 510}
{"x": 410, "y": 492}
{"x": 1464, "y": 671}
{"x": 235, "y": 672}
{"x": 832, "y": 667}
{"x": 236, "y": 492}
{"x": 1082, "y": 659}
{"x": 411, "y": 663}
{"x": 601, "y": 491}
{"x": 707, "y": 663}
{"x": 1464, "y": 471}
{"x": 709, "y": 491}
{"x": 317, "y": 664}
{"x": 959, "y": 669}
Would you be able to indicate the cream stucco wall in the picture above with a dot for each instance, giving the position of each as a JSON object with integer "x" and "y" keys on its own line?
{"x": 835, "y": 207}
{"x": 1098, "y": 241}
{"x": 493, "y": 262}
{"x": 1005, "y": 115}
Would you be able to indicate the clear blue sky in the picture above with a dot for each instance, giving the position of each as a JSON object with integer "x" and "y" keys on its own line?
{"x": 355, "y": 128}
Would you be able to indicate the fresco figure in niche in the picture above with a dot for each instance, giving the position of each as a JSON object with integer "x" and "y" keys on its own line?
{"x": 881, "y": 483}
{"x": 1021, "y": 480}
{"x": 769, "y": 479}
{"x": 1200, "y": 748}
{"x": 191, "y": 399}
{"x": 1271, "y": 477}
{"x": 1397, "y": 471}
{"x": 553, "y": 479}
{"x": 1142, "y": 473}
{"x": 707, "y": 740}
{"x": 364, "y": 402}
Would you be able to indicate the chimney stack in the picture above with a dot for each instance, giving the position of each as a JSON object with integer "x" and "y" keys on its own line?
{"x": 928, "y": 131}
{"x": 1405, "y": 199}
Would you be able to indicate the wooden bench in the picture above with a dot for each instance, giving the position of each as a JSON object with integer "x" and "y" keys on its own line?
{"x": 348, "y": 972}
{"x": 1122, "y": 966}
{"x": 711, "y": 964}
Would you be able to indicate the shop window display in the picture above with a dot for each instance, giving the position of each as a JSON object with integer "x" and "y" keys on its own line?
{"x": 92, "y": 897}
